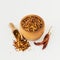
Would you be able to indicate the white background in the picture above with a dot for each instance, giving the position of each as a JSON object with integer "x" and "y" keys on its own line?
{"x": 13, "y": 11}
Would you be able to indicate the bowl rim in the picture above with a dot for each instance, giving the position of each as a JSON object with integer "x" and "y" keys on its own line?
{"x": 32, "y": 15}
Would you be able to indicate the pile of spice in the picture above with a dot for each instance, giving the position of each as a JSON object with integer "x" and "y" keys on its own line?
{"x": 20, "y": 43}
{"x": 32, "y": 23}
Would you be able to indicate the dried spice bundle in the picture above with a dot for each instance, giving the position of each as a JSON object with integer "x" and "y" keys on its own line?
{"x": 19, "y": 43}
{"x": 32, "y": 23}
{"x": 45, "y": 40}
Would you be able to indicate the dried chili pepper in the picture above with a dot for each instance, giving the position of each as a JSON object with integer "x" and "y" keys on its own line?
{"x": 45, "y": 40}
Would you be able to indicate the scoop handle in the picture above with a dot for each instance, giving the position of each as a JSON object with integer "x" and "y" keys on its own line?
{"x": 14, "y": 30}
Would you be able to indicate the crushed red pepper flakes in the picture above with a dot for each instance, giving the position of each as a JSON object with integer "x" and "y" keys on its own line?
{"x": 31, "y": 23}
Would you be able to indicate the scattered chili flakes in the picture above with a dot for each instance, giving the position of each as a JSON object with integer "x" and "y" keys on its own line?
{"x": 21, "y": 44}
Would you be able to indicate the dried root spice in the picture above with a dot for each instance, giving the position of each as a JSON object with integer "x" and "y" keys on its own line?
{"x": 20, "y": 43}
{"x": 32, "y": 23}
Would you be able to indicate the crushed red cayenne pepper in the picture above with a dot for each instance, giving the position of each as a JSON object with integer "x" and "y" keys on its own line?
{"x": 20, "y": 43}
{"x": 31, "y": 23}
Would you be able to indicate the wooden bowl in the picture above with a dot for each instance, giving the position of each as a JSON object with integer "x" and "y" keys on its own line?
{"x": 32, "y": 35}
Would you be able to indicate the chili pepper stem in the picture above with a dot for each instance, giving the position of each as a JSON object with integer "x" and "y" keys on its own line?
{"x": 49, "y": 31}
